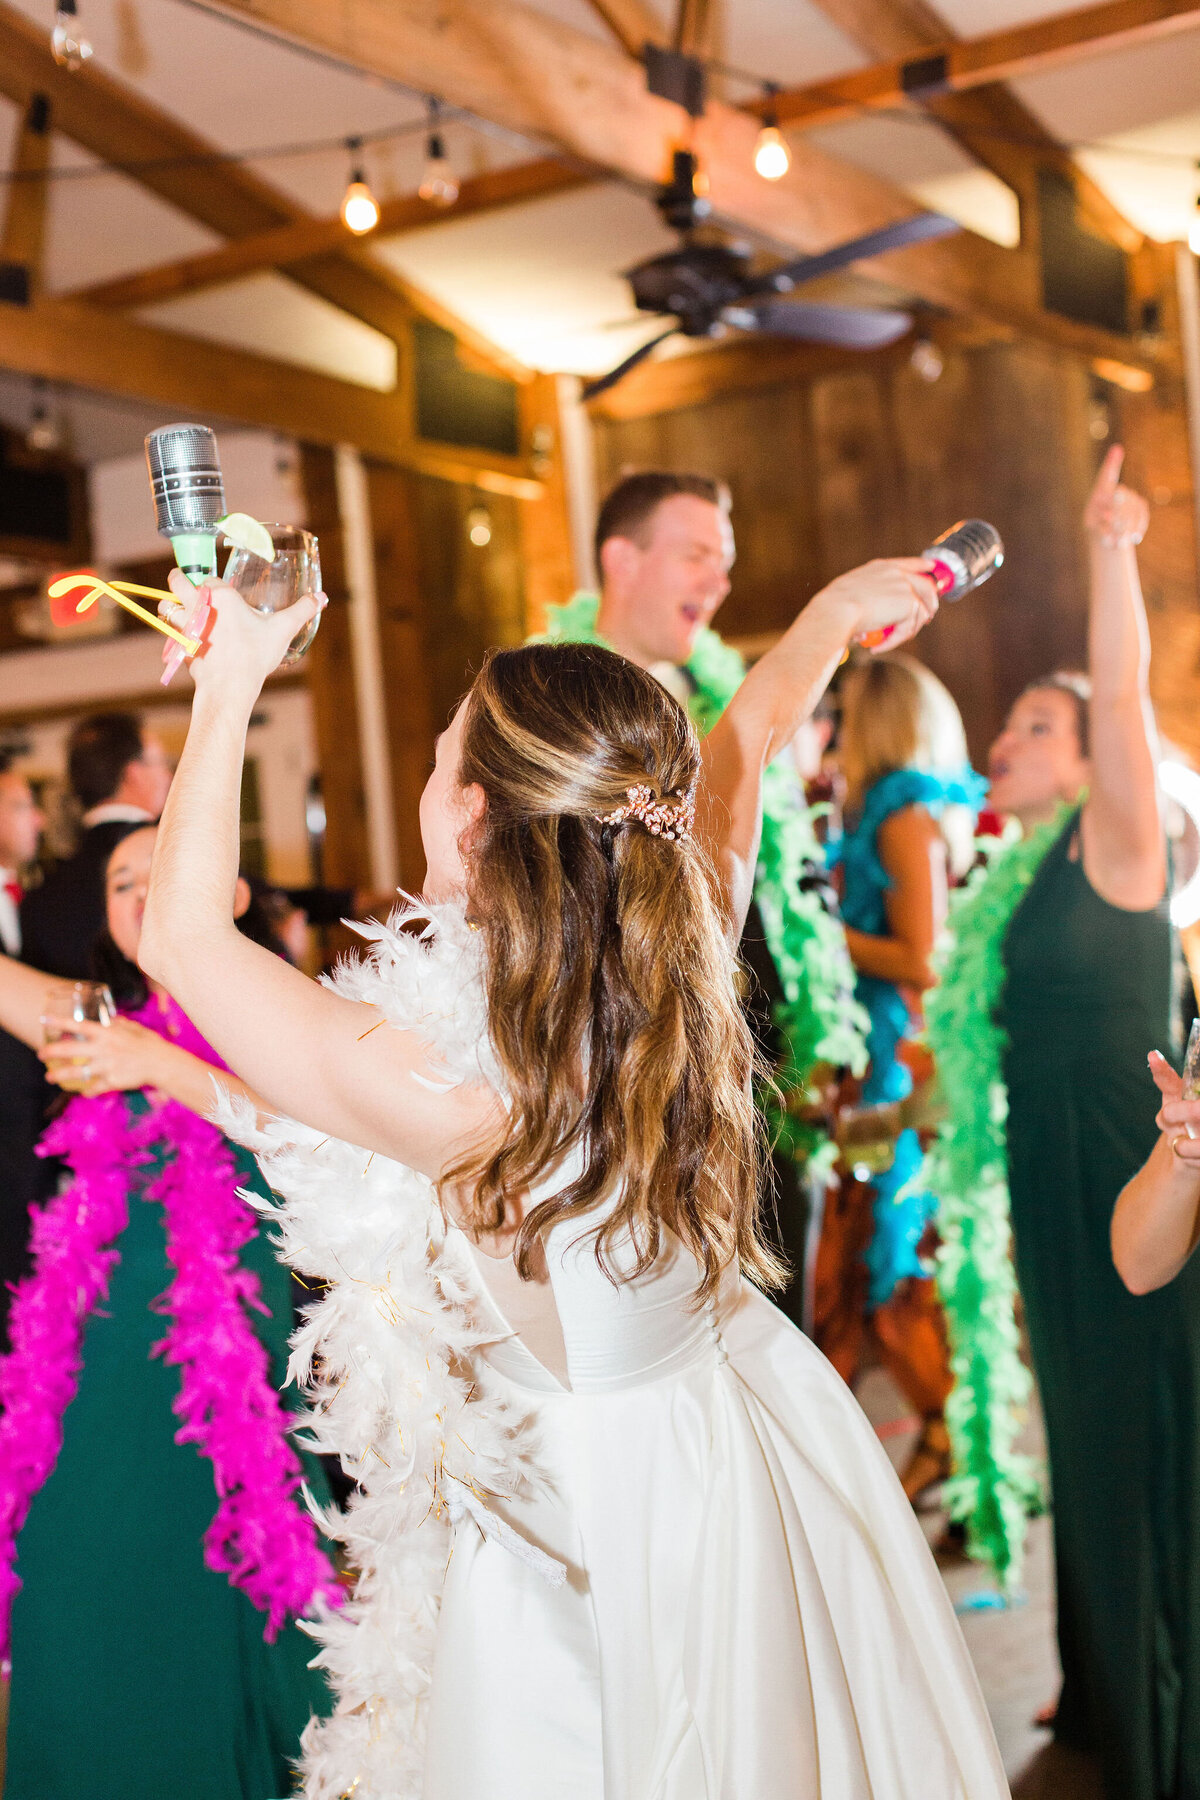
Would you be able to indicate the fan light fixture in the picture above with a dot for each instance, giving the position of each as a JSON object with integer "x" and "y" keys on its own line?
{"x": 359, "y": 209}
{"x": 772, "y": 158}
{"x": 439, "y": 183}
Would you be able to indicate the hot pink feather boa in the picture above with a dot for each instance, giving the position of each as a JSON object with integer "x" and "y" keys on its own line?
{"x": 261, "y": 1536}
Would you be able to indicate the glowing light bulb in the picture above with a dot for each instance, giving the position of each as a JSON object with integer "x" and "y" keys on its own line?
{"x": 772, "y": 159}
{"x": 479, "y": 526}
{"x": 360, "y": 209}
{"x": 68, "y": 44}
{"x": 439, "y": 183}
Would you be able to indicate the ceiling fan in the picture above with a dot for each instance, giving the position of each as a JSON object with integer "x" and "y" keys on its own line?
{"x": 707, "y": 287}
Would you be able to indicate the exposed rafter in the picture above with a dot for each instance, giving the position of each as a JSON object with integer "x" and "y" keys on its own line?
{"x": 633, "y": 23}
{"x": 593, "y": 102}
{"x": 119, "y": 127}
{"x": 61, "y": 340}
{"x": 956, "y": 67}
{"x": 288, "y": 244}
{"x": 992, "y": 124}
{"x": 23, "y": 233}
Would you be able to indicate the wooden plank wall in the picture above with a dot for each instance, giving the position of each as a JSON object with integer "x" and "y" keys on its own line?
{"x": 833, "y": 469}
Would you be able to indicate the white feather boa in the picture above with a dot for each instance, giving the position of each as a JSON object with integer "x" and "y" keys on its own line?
{"x": 385, "y": 1361}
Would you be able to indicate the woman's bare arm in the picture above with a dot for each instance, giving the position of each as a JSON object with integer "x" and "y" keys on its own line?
{"x": 912, "y": 851}
{"x": 26, "y": 997}
{"x": 1156, "y": 1222}
{"x": 1124, "y": 855}
{"x": 780, "y": 692}
{"x": 309, "y": 1053}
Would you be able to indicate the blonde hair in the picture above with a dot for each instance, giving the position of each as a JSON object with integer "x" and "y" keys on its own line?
{"x": 896, "y": 714}
{"x": 611, "y": 984}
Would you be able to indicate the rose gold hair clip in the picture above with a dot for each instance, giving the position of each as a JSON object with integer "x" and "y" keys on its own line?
{"x": 662, "y": 818}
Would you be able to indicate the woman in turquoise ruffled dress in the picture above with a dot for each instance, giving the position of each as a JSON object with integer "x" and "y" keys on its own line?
{"x": 911, "y": 803}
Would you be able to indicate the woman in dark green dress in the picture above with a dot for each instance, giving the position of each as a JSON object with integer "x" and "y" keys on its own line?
{"x": 138, "y": 1671}
{"x": 1087, "y": 996}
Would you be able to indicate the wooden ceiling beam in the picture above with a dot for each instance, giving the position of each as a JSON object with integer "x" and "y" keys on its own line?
{"x": 633, "y": 23}
{"x": 957, "y": 66}
{"x": 991, "y": 124}
{"x": 284, "y": 245}
{"x": 592, "y": 101}
{"x": 125, "y": 131}
{"x": 23, "y": 233}
{"x": 61, "y": 340}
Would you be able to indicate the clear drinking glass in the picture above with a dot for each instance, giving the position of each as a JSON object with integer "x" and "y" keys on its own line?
{"x": 88, "y": 1000}
{"x": 271, "y": 586}
{"x": 1191, "y": 1064}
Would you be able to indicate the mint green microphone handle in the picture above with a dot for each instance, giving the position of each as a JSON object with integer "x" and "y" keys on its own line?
{"x": 196, "y": 554}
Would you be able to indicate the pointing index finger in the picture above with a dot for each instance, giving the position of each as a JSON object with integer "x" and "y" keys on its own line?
{"x": 1110, "y": 472}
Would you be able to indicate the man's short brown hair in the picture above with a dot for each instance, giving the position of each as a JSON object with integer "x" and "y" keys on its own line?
{"x": 631, "y": 505}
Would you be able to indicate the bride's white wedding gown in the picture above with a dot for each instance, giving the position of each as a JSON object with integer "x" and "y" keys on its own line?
{"x": 750, "y": 1612}
{"x": 749, "y": 1609}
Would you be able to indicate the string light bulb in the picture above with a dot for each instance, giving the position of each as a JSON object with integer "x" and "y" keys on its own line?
{"x": 68, "y": 44}
{"x": 359, "y": 209}
{"x": 44, "y": 432}
{"x": 772, "y": 158}
{"x": 439, "y": 183}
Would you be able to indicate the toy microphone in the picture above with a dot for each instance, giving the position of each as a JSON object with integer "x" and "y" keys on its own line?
{"x": 963, "y": 558}
{"x": 189, "y": 494}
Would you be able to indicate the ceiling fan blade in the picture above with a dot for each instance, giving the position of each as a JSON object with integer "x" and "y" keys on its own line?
{"x": 603, "y": 382}
{"x": 853, "y": 327}
{"x": 921, "y": 229}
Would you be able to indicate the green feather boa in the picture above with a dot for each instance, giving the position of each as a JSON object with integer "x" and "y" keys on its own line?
{"x": 994, "y": 1487}
{"x": 819, "y": 1019}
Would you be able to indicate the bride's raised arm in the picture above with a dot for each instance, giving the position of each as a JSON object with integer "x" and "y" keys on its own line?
{"x": 896, "y": 594}
{"x": 309, "y": 1053}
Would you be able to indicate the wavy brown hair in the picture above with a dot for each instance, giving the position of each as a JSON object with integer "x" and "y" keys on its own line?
{"x": 611, "y": 985}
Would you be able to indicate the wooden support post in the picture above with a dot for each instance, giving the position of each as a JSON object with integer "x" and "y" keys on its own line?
{"x": 547, "y": 548}
{"x": 370, "y": 704}
{"x": 329, "y": 673}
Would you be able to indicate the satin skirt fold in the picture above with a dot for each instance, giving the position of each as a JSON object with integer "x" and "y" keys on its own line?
{"x": 751, "y": 1611}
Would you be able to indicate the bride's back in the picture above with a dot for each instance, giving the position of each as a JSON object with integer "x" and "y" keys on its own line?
{"x": 612, "y": 1003}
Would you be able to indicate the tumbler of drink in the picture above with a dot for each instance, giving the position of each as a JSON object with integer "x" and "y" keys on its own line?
{"x": 269, "y": 587}
{"x": 90, "y": 1000}
{"x": 1191, "y": 1064}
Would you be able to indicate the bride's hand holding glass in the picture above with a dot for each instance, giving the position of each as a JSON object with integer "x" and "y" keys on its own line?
{"x": 240, "y": 646}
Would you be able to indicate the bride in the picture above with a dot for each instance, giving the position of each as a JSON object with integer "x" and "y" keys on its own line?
{"x": 621, "y": 1533}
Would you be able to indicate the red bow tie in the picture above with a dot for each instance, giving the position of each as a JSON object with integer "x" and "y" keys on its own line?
{"x": 15, "y": 891}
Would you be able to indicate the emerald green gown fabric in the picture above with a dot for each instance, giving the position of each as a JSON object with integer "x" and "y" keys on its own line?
{"x": 1087, "y": 996}
{"x": 138, "y": 1673}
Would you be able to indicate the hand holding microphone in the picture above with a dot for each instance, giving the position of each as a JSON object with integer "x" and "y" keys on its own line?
{"x": 963, "y": 558}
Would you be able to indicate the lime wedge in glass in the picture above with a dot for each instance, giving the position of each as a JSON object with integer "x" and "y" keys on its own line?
{"x": 245, "y": 533}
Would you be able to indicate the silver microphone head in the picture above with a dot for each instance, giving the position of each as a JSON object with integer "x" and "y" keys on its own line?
{"x": 185, "y": 478}
{"x": 970, "y": 552}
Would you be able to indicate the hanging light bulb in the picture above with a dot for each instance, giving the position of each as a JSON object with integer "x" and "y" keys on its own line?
{"x": 359, "y": 209}
{"x": 772, "y": 158}
{"x": 479, "y": 526}
{"x": 44, "y": 431}
{"x": 68, "y": 43}
{"x": 439, "y": 183}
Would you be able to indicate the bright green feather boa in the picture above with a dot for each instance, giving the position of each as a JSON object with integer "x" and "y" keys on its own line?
{"x": 993, "y": 1488}
{"x": 819, "y": 1019}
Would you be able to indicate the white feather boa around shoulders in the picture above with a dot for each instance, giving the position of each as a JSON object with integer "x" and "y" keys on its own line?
{"x": 384, "y": 1359}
